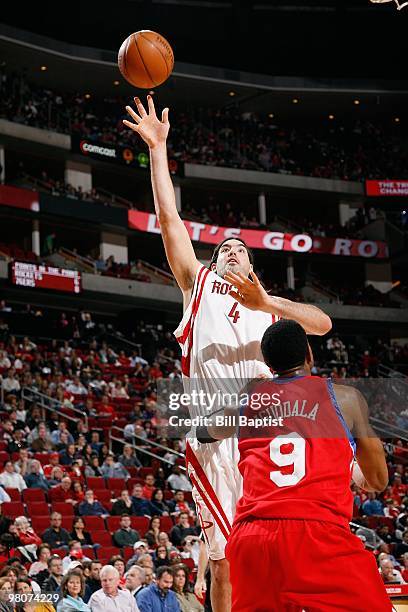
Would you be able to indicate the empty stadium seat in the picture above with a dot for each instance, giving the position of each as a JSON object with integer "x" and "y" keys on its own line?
{"x": 116, "y": 484}
{"x": 94, "y": 523}
{"x": 14, "y": 494}
{"x": 95, "y": 483}
{"x": 104, "y": 496}
{"x": 113, "y": 523}
{"x": 34, "y": 495}
{"x": 103, "y": 538}
{"x": 166, "y": 523}
{"x": 40, "y": 523}
{"x": 13, "y": 509}
{"x": 37, "y": 509}
{"x": 66, "y": 522}
{"x": 4, "y": 456}
{"x": 107, "y": 552}
{"x": 140, "y": 523}
{"x": 63, "y": 508}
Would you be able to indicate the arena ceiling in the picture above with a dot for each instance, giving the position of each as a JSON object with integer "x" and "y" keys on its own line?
{"x": 317, "y": 38}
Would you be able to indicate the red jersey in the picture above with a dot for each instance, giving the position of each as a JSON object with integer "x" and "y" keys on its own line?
{"x": 300, "y": 469}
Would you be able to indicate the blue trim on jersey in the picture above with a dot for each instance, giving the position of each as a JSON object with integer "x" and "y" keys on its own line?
{"x": 282, "y": 381}
{"x": 340, "y": 415}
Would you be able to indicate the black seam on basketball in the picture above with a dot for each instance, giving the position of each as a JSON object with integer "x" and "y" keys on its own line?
{"x": 142, "y": 60}
{"x": 124, "y": 56}
{"x": 169, "y": 71}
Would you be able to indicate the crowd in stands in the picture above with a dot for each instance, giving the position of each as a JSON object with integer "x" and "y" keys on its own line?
{"x": 91, "y": 519}
{"x": 349, "y": 150}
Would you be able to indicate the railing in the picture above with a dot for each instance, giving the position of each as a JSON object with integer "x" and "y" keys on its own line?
{"x": 53, "y": 405}
{"x": 387, "y": 430}
{"x": 319, "y": 287}
{"x": 114, "y": 200}
{"x": 386, "y": 372}
{"x": 122, "y": 440}
{"x": 370, "y": 535}
{"x": 86, "y": 262}
{"x": 165, "y": 276}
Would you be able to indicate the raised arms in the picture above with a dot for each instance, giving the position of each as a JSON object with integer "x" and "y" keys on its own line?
{"x": 177, "y": 243}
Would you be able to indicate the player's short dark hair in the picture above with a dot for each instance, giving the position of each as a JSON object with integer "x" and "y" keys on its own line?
{"x": 218, "y": 247}
{"x": 284, "y": 345}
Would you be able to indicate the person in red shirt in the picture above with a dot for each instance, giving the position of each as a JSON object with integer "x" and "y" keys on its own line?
{"x": 148, "y": 487}
{"x": 106, "y": 409}
{"x": 63, "y": 492}
{"x": 25, "y": 533}
{"x": 290, "y": 545}
{"x": 54, "y": 462}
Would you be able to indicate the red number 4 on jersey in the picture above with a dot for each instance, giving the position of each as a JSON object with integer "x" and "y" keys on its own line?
{"x": 234, "y": 313}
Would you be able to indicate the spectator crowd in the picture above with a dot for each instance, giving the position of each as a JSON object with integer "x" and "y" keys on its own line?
{"x": 349, "y": 150}
{"x": 102, "y": 524}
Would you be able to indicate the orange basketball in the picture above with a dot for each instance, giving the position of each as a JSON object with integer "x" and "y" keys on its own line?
{"x": 145, "y": 59}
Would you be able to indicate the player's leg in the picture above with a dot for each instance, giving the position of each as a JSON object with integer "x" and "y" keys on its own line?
{"x": 220, "y": 585}
{"x": 212, "y": 470}
{"x": 330, "y": 570}
{"x": 256, "y": 568}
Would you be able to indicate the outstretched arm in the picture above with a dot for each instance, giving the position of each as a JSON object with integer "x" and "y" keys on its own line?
{"x": 370, "y": 472}
{"x": 251, "y": 294}
{"x": 177, "y": 243}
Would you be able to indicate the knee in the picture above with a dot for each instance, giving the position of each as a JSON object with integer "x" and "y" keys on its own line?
{"x": 220, "y": 570}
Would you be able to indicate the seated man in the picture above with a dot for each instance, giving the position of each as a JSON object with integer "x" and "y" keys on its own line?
{"x": 91, "y": 507}
{"x": 125, "y": 535}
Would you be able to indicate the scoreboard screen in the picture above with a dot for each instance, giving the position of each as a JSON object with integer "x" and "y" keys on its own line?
{"x": 40, "y": 276}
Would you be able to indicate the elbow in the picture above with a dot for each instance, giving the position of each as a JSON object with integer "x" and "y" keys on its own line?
{"x": 325, "y": 325}
{"x": 380, "y": 483}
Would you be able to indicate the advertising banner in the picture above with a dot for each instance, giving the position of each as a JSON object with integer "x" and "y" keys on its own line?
{"x": 264, "y": 239}
{"x": 387, "y": 188}
{"x": 127, "y": 156}
{"x": 19, "y": 198}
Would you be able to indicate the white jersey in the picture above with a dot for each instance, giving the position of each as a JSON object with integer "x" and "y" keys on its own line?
{"x": 220, "y": 339}
{"x": 221, "y": 352}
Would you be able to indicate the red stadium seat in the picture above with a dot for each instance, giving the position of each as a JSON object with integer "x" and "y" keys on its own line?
{"x": 132, "y": 481}
{"x": 116, "y": 484}
{"x": 60, "y": 552}
{"x": 140, "y": 523}
{"x": 166, "y": 523}
{"x": 113, "y": 523}
{"x": 66, "y": 522}
{"x": 4, "y": 456}
{"x": 190, "y": 564}
{"x": 3, "y": 445}
{"x": 43, "y": 458}
{"x": 104, "y": 496}
{"x": 14, "y": 494}
{"x": 94, "y": 523}
{"x": 168, "y": 495}
{"x": 144, "y": 471}
{"x": 127, "y": 552}
{"x": 37, "y": 509}
{"x": 34, "y": 495}
{"x": 103, "y": 538}
{"x": 188, "y": 496}
{"x": 95, "y": 483}
{"x": 107, "y": 552}
{"x": 40, "y": 523}
{"x": 63, "y": 508}
{"x": 13, "y": 509}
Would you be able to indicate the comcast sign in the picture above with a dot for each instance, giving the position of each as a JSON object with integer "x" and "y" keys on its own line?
{"x": 87, "y": 147}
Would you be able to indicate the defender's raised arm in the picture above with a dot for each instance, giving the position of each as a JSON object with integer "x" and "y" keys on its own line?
{"x": 177, "y": 243}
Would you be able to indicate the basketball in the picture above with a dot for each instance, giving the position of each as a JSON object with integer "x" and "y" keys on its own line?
{"x": 145, "y": 59}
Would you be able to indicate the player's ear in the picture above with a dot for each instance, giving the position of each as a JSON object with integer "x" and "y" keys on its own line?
{"x": 213, "y": 267}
